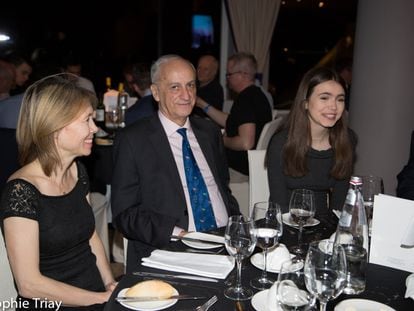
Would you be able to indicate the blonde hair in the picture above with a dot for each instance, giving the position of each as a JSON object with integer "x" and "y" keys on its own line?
{"x": 48, "y": 105}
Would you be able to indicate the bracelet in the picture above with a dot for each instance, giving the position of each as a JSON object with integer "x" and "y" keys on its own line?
{"x": 205, "y": 109}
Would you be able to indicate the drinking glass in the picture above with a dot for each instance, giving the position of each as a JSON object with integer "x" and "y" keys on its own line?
{"x": 240, "y": 241}
{"x": 267, "y": 218}
{"x": 325, "y": 271}
{"x": 301, "y": 208}
{"x": 371, "y": 186}
{"x": 292, "y": 293}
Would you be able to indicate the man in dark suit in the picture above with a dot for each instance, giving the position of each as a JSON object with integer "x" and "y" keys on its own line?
{"x": 150, "y": 198}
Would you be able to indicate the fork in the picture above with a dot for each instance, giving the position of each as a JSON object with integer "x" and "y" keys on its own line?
{"x": 205, "y": 306}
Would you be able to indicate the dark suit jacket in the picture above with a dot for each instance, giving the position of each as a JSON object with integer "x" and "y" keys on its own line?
{"x": 147, "y": 195}
{"x": 405, "y": 188}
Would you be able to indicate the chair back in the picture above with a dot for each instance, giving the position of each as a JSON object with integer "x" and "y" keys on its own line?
{"x": 7, "y": 289}
{"x": 258, "y": 183}
{"x": 280, "y": 113}
{"x": 267, "y": 132}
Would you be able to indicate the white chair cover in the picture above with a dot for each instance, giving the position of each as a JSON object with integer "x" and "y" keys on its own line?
{"x": 258, "y": 182}
{"x": 267, "y": 132}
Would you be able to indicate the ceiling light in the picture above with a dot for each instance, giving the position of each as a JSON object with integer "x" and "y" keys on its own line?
{"x": 4, "y": 37}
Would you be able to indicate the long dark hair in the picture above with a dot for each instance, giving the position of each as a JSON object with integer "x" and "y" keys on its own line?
{"x": 299, "y": 134}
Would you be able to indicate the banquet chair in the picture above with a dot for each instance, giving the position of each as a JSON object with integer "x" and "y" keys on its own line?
{"x": 281, "y": 113}
{"x": 7, "y": 289}
{"x": 267, "y": 132}
{"x": 258, "y": 183}
{"x": 99, "y": 205}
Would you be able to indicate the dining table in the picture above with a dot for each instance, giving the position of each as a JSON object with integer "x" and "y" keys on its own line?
{"x": 383, "y": 284}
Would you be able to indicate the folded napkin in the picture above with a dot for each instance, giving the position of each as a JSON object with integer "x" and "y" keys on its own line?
{"x": 272, "y": 304}
{"x": 410, "y": 286}
{"x": 215, "y": 266}
{"x": 276, "y": 257}
{"x": 206, "y": 237}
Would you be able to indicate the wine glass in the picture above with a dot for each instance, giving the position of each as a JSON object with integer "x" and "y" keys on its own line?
{"x": 371, "y": 186}
{"x": 325, "y": 271}
{"x": 269, "y": 228}
{"x": 301, "y": 208}
{"x": 292, "y": 293}
{"x": 240, "y": 241}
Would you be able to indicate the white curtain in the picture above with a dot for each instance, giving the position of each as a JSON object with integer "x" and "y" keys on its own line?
{"x": 252, "y": 23}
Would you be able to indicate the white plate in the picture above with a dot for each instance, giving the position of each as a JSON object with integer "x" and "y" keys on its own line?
{"x": 288, "y": 221}
{"x": 148, "y": 305}
{"x": 210, "y": 238}
{"x": 361, "y": 305}
{"x": 259, "y": 302}
{"x": 257, "y": 261}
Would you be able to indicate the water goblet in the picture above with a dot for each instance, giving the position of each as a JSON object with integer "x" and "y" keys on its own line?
{"x": 267, "y": 218}
{"x": 325, "y": 271}
{"x": 240, "y": 241}
{"x": 292, "y": 293}
{"x": 301, "y": 208}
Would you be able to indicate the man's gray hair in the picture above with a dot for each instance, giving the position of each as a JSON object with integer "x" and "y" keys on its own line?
{"x": 156, "y": 66}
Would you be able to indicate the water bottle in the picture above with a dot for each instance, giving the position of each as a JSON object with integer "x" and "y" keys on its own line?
{"x": 352, "y": 233}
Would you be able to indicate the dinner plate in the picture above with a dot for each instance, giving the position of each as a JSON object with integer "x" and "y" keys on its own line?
{"x": 257, "y": 261}
{"x": 260, "y": 303}
{"x": 288, "y": 221}
{"x": 147, "y": 305}
{"x": 361, "y": 305}
{"x": 209, "y": 238}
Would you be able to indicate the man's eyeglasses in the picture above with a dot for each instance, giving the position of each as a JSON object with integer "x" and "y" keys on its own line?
{"x": 229, "y": 74}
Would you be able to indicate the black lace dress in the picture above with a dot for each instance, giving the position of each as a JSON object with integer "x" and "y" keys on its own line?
{"x": 66, "y": 223}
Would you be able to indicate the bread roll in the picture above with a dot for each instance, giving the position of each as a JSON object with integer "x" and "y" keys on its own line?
{"x": 151, "y": 288}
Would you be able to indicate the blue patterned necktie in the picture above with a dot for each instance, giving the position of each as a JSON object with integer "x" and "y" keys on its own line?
{"x": 200, "y": 200}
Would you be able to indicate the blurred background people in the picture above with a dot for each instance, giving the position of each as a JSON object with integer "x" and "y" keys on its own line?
{"x": 7, "y": 78}
{"x": 23, "y": 70}
{"x": 140, "y": 82}
{"x": 208, "y": 87}
{"x": 315, "y": 150}
{"x": 249, "y": 113}
{"x": 45, "y": 214}
{"x": 73, "y": 66}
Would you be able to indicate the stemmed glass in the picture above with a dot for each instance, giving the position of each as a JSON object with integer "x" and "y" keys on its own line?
{"x": 371, "y": 186}
{"x": 291, "y": 289}
{"x": 325, "y": 271}
{"x": 301, "y": 208}
{"x": 240, "y": 241}
{"x": 267, "y": 218}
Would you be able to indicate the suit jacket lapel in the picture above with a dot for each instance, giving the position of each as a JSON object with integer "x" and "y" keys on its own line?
{"x": 160, "y": 143}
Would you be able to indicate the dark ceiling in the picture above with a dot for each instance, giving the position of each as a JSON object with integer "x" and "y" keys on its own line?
{"x": 109, "y": 35}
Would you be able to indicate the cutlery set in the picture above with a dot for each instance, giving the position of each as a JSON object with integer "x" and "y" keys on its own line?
{"x": 175, "y": 276}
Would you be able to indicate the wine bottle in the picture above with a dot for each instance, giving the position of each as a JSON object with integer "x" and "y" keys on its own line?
{"x": 122, "y": 104}
{"x": 100, "y": 113}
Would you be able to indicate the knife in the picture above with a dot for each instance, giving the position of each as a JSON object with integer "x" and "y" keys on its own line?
{"x": 196, "y": 240}
{"x": 144, "y": 299}
{"x": 175, "y": 276}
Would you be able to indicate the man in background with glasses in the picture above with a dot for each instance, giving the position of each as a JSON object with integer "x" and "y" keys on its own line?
{"x": 249, "y": 113}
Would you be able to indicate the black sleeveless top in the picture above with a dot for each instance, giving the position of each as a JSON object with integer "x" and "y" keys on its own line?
{"x": 66, "y": 223}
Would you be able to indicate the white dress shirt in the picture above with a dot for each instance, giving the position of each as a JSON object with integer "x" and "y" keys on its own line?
{"x": 175, "y": 140}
